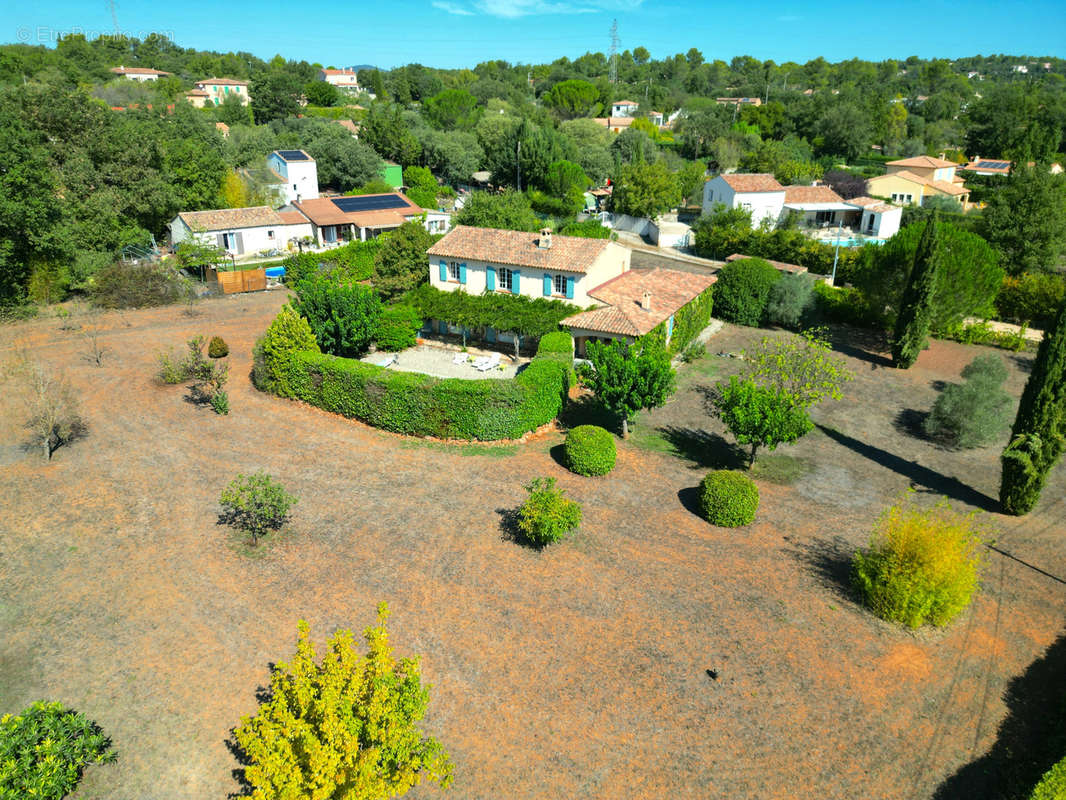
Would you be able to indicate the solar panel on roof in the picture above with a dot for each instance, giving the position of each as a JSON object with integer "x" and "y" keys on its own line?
{"x": 293, "y": 155}
{"x": 369, "y": 203}
{"x": 993, "y": 164}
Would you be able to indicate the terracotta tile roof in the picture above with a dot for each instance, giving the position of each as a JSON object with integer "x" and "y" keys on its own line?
{"x": 292, "y": 218}
{"x": 670, "y": 290}
{"x": 196, "y": 93}
{"x": 921, "y": 161}
{"x": 811, "y": 194}
{"x": 615, "y": 122}
{"x": 753, "y": 182}
{"x": 949, "y": 188}
{"x": 223, "y": 127}
{"x": 229, "y": 218}
{"x": 338, "y": 71}
{"x": 221, "y": 82}
{"x": 625, "y": 103}
{"x": 942, "y": 186}
{"x": 322, "y": 211}
{"x": 793, "y": 269}
{"x": 871, "y": 204}
{"x": 137, "y": 71}
{"x": 520, "y": 249}
{"x": 349, "y": 124}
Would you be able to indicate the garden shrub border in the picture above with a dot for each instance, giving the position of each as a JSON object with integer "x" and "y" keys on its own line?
{"x": 689, "y": 322}
{"x": 415, "y": 404}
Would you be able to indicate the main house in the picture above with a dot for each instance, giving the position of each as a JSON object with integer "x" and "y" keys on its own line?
{"x": 771, "y": 204}
{"x": 241, "y": 231}
{"x": 585, "y": 272}
{"x": 338, "y": 220}
{"x": 910, "y": 181}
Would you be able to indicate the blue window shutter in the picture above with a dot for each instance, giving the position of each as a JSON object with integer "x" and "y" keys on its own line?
{"x": 462, "y": 272}
{"x": 490, "y": 278}
{"x": 442, "y": 326}
{"x": 547, "y": 285}
{"x": 569, "y": 287}
{"x": 670, "y": 327}
{"x": 514, "y": 282}
{"x": 443, "y": 272}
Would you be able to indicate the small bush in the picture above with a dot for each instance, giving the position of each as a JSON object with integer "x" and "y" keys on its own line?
{"x": 922, "y": 566}
{"x": 556, "y": 342}
{"x": 975, "y": 412}
{"x": 171, "y": 370}
{"x": 220, "y": 402}
{"x": 743, "y": 289}
{"x": 983, "y": 333}
{"x": 1053, "y": 785}
{"x": 589, "y": 450}
{"x": 728, "y": 498}
{"x": 694, "y": 352}
{"x": 548, "y": 514}
{"x": 218, "y": 347}
{"x": 273, "y": 355}
{"x": 845, "y": 305}
{"x": 126, "y": 285}
{"x": 1033, "y": 297}
{"x": 397, "y": 328}
{"x": 44, "y": 750}
{"x": 791, "y": 301}
{"x": 256, "y": 504}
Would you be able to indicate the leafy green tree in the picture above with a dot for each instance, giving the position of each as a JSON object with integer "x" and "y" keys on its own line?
{"x": 322, "y": 93}
{"x": 275, "y": 95}
{"x": 967, "y": 280}
{"x": 345, "y": 727}
{"x": 44, "y": 750}
{"x": 592, "y": 142}
{"x": 845, "y": 130}
{"x": 1025, "y": 220}
{"x": 233, "y": 111}
{"x": 401, "y": 262}
{"x": 566, "y": 179}
{"x": 454, "y": 155}
{"x": 634, "y": 147}
{"x": 342, "y": 314}
{"x": 760, "y": 416}
{"x": 1014, "y": 120}
{"x": 975, "y": 412}
{"x": 743, "y": 290}
{"x": 344, "y": 162}
{"x": 802, "y": 367}
{"x": 916, "y": 310}
{"x": 1039, "y": 432}
{"x": 587, "y": 229}
{"x": 572, "y": 98}
{"x": 690, "y": 178}
{"x": 452, "y": 109}
{"x": 272, "y": 356}
{"x": 627, "y": 378}
{"x": 509, "y": 211}
{"x": 256, "y": 504}
{"x": 384, "y": 130}
{"x": 645, "y": 190}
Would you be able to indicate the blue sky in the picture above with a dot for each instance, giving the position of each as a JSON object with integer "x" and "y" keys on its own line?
{"x": 456, "y": 33}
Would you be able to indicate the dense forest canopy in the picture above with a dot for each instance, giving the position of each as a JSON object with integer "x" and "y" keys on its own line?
{"x": 93, "y": 162}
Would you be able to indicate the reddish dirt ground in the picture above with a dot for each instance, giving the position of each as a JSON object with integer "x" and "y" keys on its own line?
{"x": 576, "y": 671}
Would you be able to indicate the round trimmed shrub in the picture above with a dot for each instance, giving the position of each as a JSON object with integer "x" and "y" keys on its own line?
{"x": 218, "y": 347}
{"x": 556, "y": 342}
{"x": 548, "y": 514}
{"x": 728, "y": 498}
{"x": 922, "y": 566}
{"x": 589, "y": 450}
{"x": 743, "y": 290}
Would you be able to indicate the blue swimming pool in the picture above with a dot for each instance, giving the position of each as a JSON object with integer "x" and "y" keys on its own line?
{"x": 852, "y": 241}
{"x": 275, "y": 272}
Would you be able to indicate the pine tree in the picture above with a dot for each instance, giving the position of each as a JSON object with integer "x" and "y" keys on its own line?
{"x": 1039, "y": 433}
{"x": 916, "y": 310}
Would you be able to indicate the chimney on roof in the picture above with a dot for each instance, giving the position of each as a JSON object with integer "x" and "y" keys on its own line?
{"x": 942, "y": 157}
{"x": 545, "y": 241}
{"x": 645, "y": 300}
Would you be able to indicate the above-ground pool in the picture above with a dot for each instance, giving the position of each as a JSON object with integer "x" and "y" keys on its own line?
{"x": 275, "y": 272}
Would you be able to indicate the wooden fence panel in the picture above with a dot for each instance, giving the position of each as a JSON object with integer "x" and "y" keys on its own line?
{"x": 250, "y": 280}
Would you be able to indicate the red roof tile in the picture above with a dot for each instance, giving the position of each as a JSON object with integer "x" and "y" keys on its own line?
{"x": 753, "y": 182}
{"x": 811, "y": 194}
{"x": 669, "y": 291}
{"x": 518, "y": 248}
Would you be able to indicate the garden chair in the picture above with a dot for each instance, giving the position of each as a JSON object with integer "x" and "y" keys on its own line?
{"x": 477, "y": 362}
{"x": 460, "y": 358}
{"x": 490, "y": 363}
{"x": 388, "y": 361}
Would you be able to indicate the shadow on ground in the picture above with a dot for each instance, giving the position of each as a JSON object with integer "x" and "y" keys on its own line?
{"x": 704, "y": 449}
{"x": 1030, "y": 740}
{"x": 829, "y": 560}
{"x": 932, "y": 480}
{"x": 865, "y": 345}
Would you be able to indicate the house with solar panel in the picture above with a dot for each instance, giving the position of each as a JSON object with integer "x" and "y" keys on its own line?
{"x": 241, "y": 232}
{"x": 297, "y": 172}
{"x": 339, "y": 220}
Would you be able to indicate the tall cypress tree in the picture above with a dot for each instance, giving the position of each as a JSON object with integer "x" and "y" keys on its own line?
{"x": 1039, "y": 431}
{"x": 916, "y": 310}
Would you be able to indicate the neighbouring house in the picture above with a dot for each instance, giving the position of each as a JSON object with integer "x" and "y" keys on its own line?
{"x": 241, "y": 231}
{"x": 615, "y": 124}
{"x": 909, "y": 181}
{"x": 623, "y": 108}
{"x": 344, "y": 79}
{"x": 633, "y": 304}
{"x": 139, "y": 74}
{"x": 984, "y": 166}
{"x": 738, "y": 101}
{"x": 349, "y": 125}
{"x": 218, "y": 89}
{"x": 197, "y": 97}
{"x": 656, "y": 118}
{"x": 338, "y": 220}
{"x": 222, "y": 128}
{"x": 298, "y": 174}
{"x": 759, "y": 193}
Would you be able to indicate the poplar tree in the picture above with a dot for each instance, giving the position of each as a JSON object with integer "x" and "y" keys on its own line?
{"x": 1039, "y": 431}
{"x": 916, "y": 311}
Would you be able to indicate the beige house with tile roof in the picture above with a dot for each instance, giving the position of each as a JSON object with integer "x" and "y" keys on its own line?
{"x": 908, "y": 188}
{"x": 218, "y": 89}
{"x": 240, "y": 231}
{"x": 139, "y": 74}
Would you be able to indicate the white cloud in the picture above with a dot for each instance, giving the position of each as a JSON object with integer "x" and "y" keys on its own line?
{"x": 452, "y": 8}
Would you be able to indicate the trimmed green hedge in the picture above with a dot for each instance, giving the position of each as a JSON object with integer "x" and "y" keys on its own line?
{"x": 556, "y": 342}
{"x": 589, "y": 450}
{"x": 421, "y": 405}
{"x": 689, "y": 322}
{"x": 728, "y": 498}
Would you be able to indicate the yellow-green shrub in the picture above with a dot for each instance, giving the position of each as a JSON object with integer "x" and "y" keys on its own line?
{"x": 922, "y": 565}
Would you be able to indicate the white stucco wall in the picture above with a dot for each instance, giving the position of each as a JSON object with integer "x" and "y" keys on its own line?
{"x": 763, "y": 205}
{"x": 301, "y": 178}
{"x": 611, "y": 263}
{"x": 252, "y": 239}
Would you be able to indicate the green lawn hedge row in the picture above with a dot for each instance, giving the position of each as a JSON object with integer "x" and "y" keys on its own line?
{"x": 421, "y": 405}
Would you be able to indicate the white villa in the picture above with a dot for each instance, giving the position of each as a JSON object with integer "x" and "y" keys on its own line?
{"x": 139, "y": 74}
{"x": 584, "y": 272}
{"x": 771, "y": 203}
{"x": 344, "y": 79}
{"x": 241, "y": 231}
{"x": 623, "y": 108}
{"x": 298, "y": 173}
